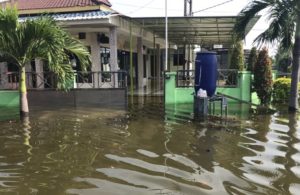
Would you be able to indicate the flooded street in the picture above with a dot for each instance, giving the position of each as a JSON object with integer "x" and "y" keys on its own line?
{"x": 147, "y": 150}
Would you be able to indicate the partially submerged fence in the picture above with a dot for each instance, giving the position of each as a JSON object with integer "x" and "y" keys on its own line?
{"x": 225, "y": 78}
{"x": 82, "y": 80}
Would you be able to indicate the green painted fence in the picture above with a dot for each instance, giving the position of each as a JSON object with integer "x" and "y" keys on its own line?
{"x": 9, "y": 104}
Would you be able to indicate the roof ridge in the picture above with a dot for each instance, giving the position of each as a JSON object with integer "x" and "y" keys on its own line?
{"x": 52, "y": 4}
{"x": 106, "y": 2}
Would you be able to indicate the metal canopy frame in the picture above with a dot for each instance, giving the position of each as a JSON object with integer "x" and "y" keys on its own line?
{"x": 204, "y": 31}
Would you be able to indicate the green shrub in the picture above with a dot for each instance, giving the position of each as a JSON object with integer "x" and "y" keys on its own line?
{"x": 263, "y": 77}
{"x": 281, "y": 90}
{"x": 236, "y": 61}
{"x": 237, "y": 56}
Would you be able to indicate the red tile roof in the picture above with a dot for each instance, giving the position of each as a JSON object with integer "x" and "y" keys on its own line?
{"x": 51, "y": 4}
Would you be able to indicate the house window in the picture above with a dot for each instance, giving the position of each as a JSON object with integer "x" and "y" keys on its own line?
{"x": 178, "y": 57}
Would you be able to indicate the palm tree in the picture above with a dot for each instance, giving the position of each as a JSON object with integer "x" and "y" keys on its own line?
{"x": 21, "y": 42}
{"x": 284, "y": 17}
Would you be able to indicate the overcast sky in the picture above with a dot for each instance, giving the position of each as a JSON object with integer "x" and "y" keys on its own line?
{"x": 147, "y": 8}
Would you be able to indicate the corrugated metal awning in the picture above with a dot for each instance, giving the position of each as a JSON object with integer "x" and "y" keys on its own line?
{"x": 204, "y": 31}
{"x": 76, "y": 16}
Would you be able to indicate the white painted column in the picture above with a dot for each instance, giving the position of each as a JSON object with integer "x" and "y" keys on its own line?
{"x": 3, "y": 75}
{"x": 148, "y": 72}
{"x": 113, "y": 60}
{"x": 29, "y": 75}
{"x": 39, "y": 69}
{"x": 190, "y": 57}
{"x": 158, "y": 68}
{"x": 28, "y": 67}
{"x": 140, "y": 63}
{"x": 96, "y": 60}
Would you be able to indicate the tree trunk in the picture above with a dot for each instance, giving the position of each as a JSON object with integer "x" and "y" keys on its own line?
{"x": 24, "y": 110}
{"x": 293, "y": 104}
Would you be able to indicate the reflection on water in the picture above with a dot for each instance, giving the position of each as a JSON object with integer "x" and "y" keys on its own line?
{"x": 149, "y": 150}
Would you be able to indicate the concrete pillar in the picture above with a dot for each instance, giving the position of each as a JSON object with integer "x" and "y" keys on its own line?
{"x": 158, "y": 67}
{"x": 190, "y": 57}
{"x": 148, "y": 71}
{"x": 39, "y": 69}
{"x": 113, "y": 60}
{"x": 140, "y": 63}
{"x": 3, "y": 75}
{"x": 154, "y": 67}
{"x": 29, "y": 75}
{"x": 96, "y": 60}
{"x": 193, "y": 59}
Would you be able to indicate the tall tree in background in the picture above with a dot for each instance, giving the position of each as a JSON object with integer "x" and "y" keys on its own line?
{"x": 283, "y": 60}
{"x": 284, "y": 17}
{"x": 21, "y": 42}
{"x": 237, "y": 56}
{"x": 252, "y": 59}
{"x": 236, "y": 61}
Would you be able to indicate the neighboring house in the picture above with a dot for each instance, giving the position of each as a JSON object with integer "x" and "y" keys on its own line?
{"x": 111, "y": 37}
{"x": 104, "y": 31}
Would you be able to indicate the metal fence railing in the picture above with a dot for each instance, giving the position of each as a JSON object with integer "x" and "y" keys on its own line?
{"x": 185, "y": 78}
{"x": 225, "y": 78}
{"x": 9, "y": 80}
{"x": 283, "y": 75}
{"x": 107, "y": 79}
{"x": 48, "y": 80}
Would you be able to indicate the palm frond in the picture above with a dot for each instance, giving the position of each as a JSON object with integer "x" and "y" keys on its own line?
{"x": 76, "y": 48}
{"x": 41, "y": 38}
{"x": 65, "y": 75}
{"x": 248, "y": 13}
{"x": 282, "y": 17}
{"x": 8, "y": 20}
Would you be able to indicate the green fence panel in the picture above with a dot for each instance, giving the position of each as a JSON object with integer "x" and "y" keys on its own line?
{"x": 9, "y": 104}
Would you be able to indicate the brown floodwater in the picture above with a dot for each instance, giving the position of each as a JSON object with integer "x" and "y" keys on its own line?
{"x": 147, "y": 149}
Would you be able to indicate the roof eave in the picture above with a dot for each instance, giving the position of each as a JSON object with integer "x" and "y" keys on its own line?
{"x": 58, "y": 10}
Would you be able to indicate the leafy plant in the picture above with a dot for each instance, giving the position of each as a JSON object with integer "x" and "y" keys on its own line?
{"x": 21, "y": 42}
{"x": 283, "y": 60}
{"x": 281, "y": 89}
{"x": 263, "y": 77}
{"x": 284, "y": 28}
{"x": 237, "y": 56}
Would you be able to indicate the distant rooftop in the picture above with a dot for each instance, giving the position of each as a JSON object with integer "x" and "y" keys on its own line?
{"x": 200, "y": 30}
{"x": 51, "y": 4}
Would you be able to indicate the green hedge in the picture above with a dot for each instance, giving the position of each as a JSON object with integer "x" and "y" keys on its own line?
{"x": 281, "y": 90}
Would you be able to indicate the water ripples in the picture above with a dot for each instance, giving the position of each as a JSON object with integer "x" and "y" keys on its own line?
{"x": 149, "y": 151}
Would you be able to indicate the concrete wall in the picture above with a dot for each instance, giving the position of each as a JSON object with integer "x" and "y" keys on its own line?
{"x": 52, "y": 99}
{"x": 102, "y": 98}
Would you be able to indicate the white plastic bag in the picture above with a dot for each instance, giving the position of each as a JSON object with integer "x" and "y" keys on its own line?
{"x": 201, "y": 93}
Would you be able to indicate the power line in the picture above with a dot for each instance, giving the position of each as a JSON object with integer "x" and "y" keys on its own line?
{"x": 141, "y": 7}
{"x": 217, "y": 5}
{"x": 157, "y": 8}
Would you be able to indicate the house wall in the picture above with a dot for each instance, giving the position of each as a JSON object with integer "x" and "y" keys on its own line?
{"x": 183, "y": 95}
{"x": 123, "y": 44}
